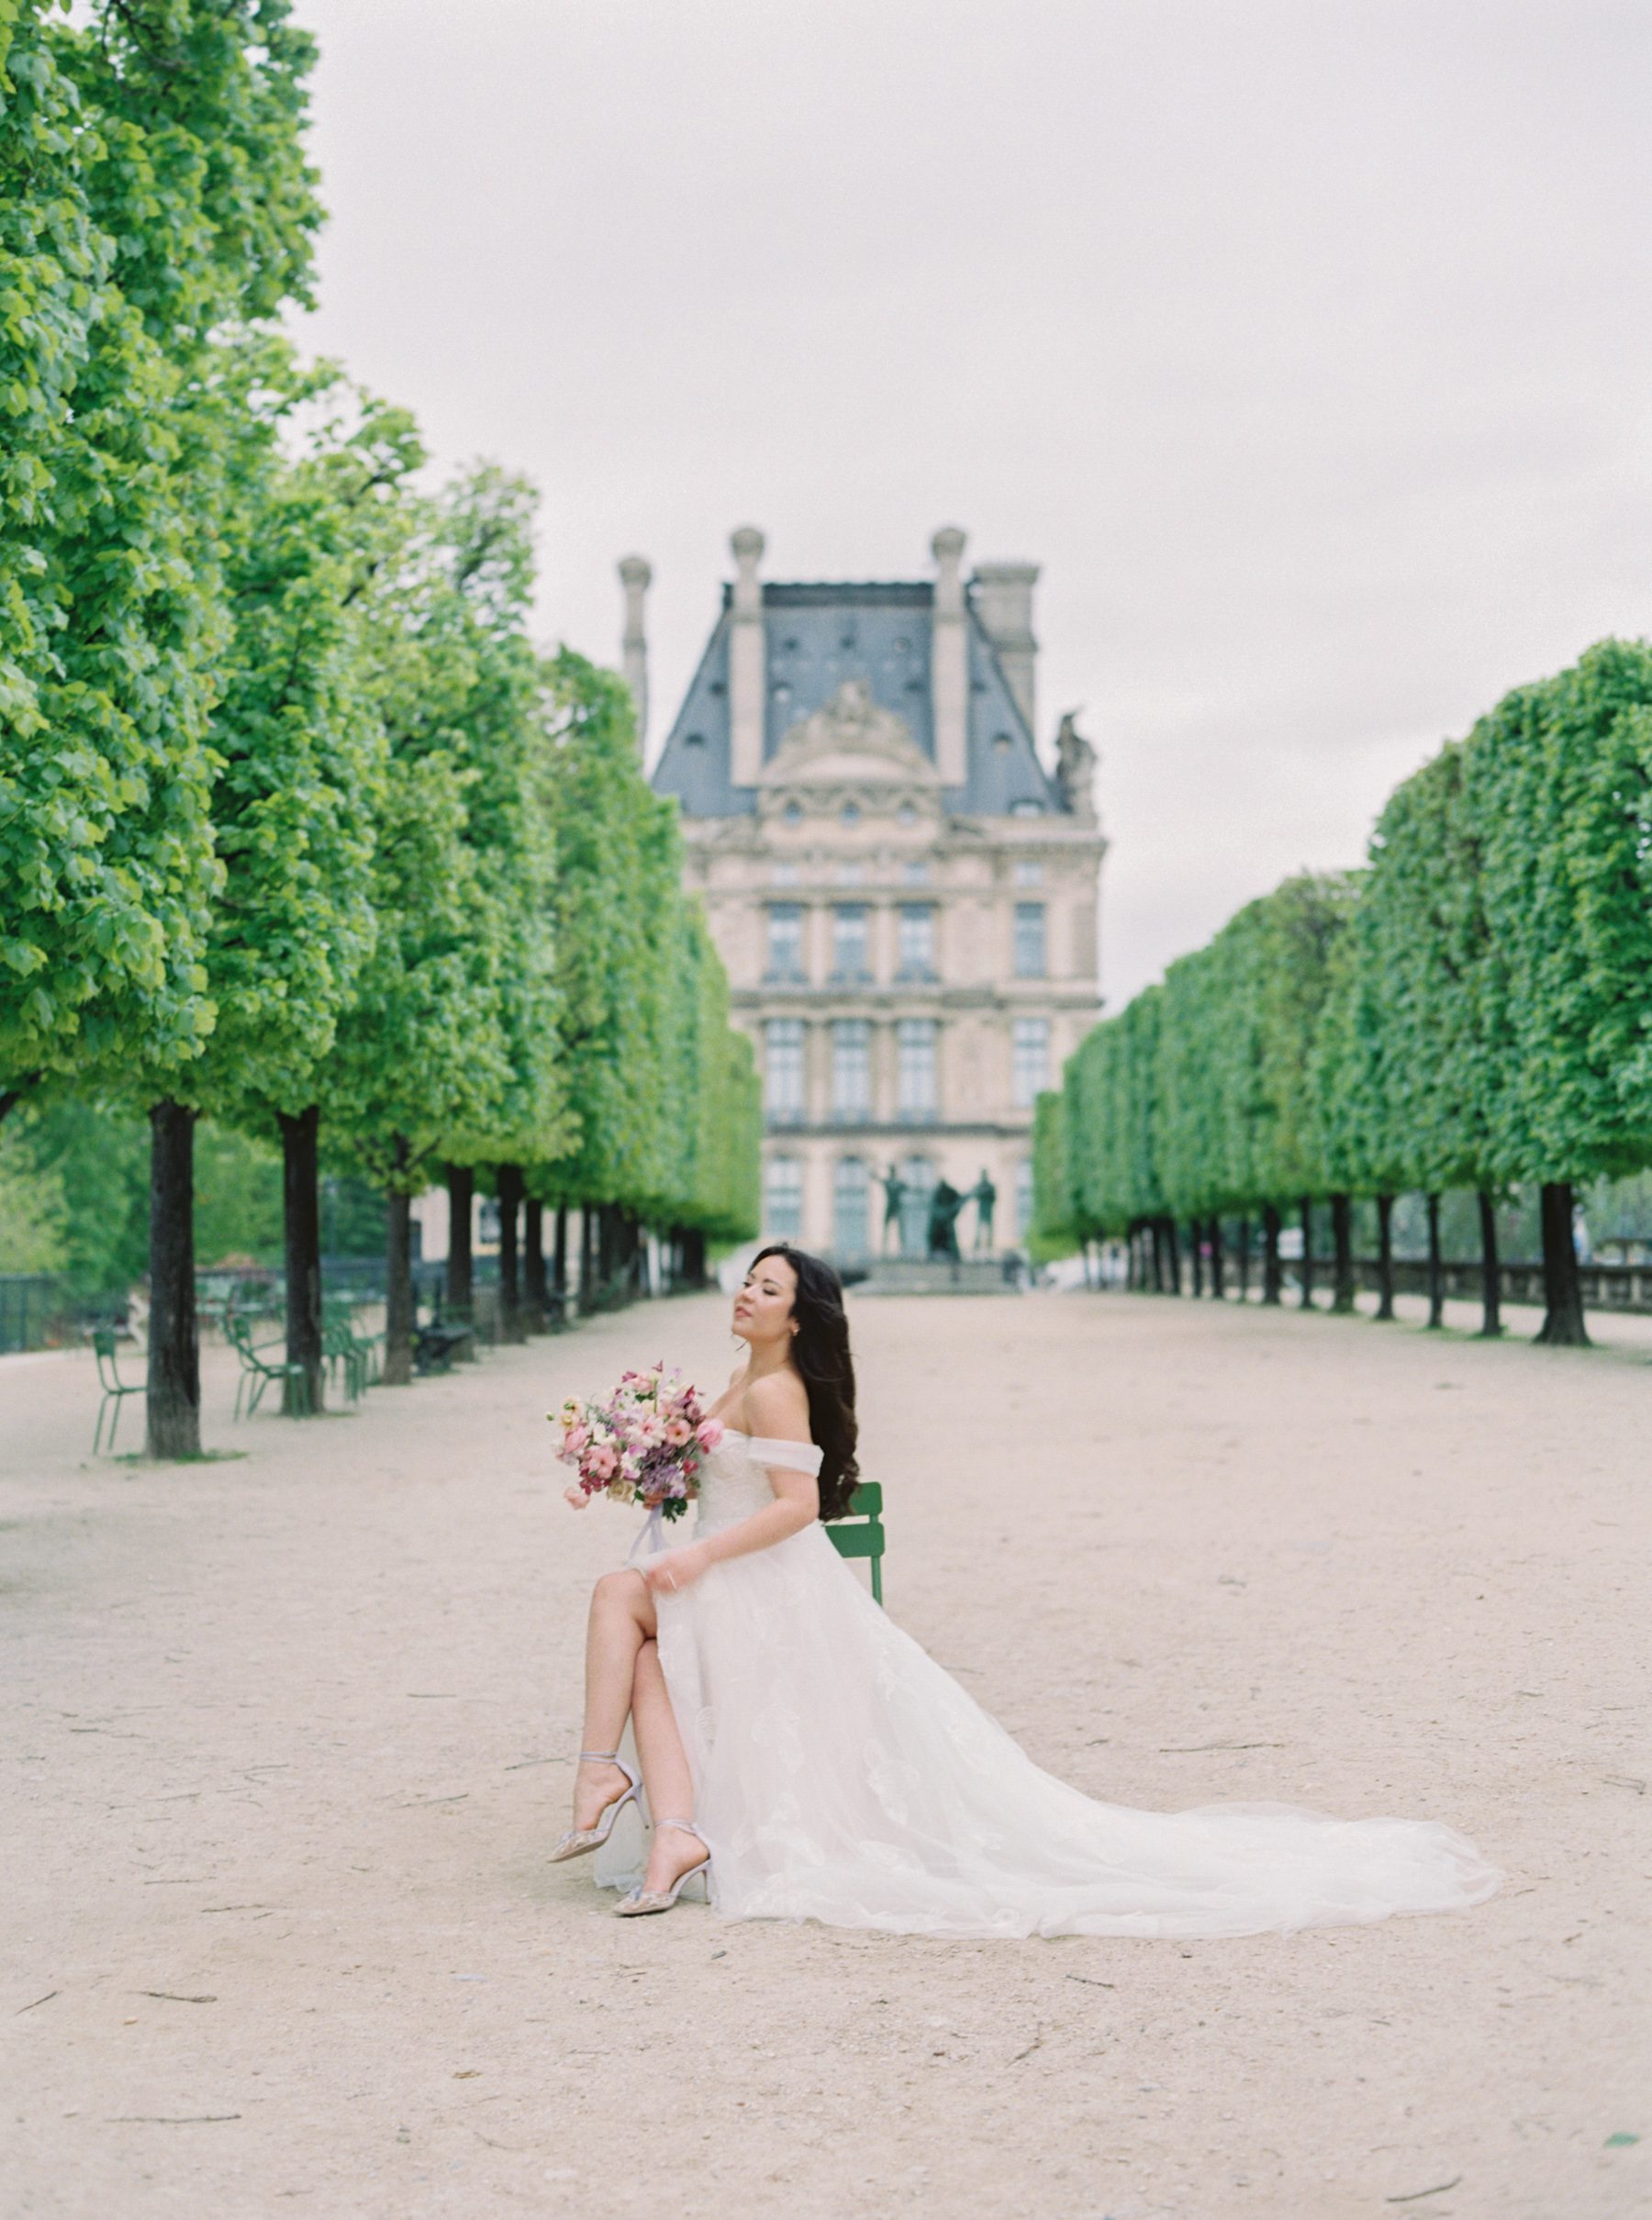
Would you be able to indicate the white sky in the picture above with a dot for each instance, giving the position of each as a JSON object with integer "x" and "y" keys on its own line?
{"x": 1305, "y": 344}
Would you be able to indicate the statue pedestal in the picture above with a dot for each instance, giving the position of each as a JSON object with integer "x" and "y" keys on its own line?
{"x": 999, "y": 1275}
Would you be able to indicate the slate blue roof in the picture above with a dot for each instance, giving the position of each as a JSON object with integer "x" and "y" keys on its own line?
{"x": 815, "y": 638}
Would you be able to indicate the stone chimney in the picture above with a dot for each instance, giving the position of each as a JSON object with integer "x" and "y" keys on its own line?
{"x": 748, "y": 662}
{"x": 1002, "y": 594}
{"x": 949, "y": 660}
{"x": 636, "y": 576}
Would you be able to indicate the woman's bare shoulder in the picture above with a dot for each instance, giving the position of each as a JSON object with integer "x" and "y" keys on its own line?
{"x": 777, "y": 1407}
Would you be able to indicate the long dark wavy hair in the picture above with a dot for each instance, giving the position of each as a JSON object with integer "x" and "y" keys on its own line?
{"x": 820, "y": 1351}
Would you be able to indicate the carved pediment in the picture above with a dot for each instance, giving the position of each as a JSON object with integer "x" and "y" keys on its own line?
{"x": 851, "y": 738}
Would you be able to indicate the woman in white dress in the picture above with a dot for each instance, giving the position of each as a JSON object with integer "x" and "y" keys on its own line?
{"x": 803, "y": 1759}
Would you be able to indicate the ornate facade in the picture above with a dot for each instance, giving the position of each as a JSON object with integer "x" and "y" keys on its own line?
{"x": 904, "y": 896}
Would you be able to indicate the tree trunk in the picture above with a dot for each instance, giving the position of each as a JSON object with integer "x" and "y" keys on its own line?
{"x": 1273, "y": 1279}
{"x": 1245, "y": 1256}
{"x": 560, "y": 1260}
{"x": 173, "y": 1399}
{"x": 694, "y": 1257}
{"x": 301, "y": 1223}
{"x": 1218, "y": 1262}
{"x": 507, "y": 1180}
{"x": 1563, "y": 1297}
{"x": 1490, "y": 1288}
{"x": 1385, "y": 1257}
{"x": 1342, "y": 1236}
{"x": 1436, "y": 1278}
{"x": 1173, "y": 1256}
{"x": 1193, "y": 1251}
{"x": 537, "y": 1301}
{"x": 11, "y": 1096}
{"x": 587, "y": 1254}
{"x": 1305, "y": 1210}
{"x": 398, "y": 1288}
{"x": 460, "y": 1279}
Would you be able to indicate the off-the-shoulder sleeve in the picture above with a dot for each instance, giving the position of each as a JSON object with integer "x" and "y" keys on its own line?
{"x": 797, "y": 1457}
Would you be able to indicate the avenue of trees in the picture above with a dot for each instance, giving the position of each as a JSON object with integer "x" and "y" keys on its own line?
{"x": 1472, "y": 1011}
{"x": 299, "y": 833}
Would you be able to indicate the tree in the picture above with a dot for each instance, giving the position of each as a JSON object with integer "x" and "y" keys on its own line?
{"x": 500, "y": 736}
{"x": 158, "y": 195}
{"x": 319, "y": 509}
{"x": 1560, "y": 786}
{"x": 420, "y": 1044}
{"x": 109, "y": 617}
{"x": 611, "y": 882}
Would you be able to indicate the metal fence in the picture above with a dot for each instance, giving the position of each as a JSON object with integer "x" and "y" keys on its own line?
{"x": 1603, "y": 1287}
{"x": 29, "y": 1302}
{"x": 38, "y": 1312}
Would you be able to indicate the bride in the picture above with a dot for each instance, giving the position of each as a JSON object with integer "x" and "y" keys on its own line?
{"x": 803, "y": 1759}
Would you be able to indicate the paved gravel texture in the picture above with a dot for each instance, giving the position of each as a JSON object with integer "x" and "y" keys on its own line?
{"x": 291, "y": 1732}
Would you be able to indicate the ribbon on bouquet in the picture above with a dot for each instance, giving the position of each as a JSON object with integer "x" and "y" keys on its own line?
{"x": 653, "y": 1532}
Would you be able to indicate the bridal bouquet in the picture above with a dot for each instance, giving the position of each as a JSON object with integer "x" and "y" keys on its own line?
{"x": 645, "y": 1444}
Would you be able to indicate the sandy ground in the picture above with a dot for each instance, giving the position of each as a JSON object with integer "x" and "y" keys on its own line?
{"x": 290, "y": 1734}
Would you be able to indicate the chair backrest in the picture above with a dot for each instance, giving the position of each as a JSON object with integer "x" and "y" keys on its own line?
{"x": 860, "y": 1533}
{"x": 103, "y": 1344}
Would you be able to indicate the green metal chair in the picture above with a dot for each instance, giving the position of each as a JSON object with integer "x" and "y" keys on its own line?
{"x": 259, "y": 1370}
{"x": 114, "y": 1386}
{"x": 860, "y": 1533}
{"x": 344, "y": 1354}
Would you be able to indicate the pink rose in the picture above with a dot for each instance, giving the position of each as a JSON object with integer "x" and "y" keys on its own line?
{"x": 678, "y": 1432}
{"x": 709, "y": 1433}
{"x": 600, "y": 1461}
{"x": 576, "y": 1495}
{"x": 576, "y": 1438}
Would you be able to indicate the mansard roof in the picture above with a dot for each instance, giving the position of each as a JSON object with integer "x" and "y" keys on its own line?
{"x": 816, "y": 636}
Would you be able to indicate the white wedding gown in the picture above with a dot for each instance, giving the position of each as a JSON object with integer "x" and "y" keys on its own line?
{"x": 842, "y": 1775}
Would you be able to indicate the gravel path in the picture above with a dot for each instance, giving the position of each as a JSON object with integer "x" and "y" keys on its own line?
{"x": 290, "y": 1733}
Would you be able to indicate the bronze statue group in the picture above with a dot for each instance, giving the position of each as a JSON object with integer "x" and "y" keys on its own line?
{"x": 946, "y": 1203}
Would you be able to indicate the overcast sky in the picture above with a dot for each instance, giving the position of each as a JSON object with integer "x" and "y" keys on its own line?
{"x": 1305, "y": 344}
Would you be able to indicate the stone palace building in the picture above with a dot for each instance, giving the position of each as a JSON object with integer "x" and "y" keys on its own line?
{"x": 904, "y": 896}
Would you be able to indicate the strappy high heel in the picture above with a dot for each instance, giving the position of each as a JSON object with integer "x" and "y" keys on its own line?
{"x": 578, "y": 1840}
{"x": 661, "y": 1900}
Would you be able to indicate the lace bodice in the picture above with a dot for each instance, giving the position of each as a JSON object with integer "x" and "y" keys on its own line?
{"x": 734, "y": 1481}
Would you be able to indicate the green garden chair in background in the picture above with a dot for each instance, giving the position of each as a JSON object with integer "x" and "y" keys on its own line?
{"x": 344, "y": 1354}
{"x": 259, "y": 1370}
{"x": 860, "y": 1533}
{"x": 113, "y": 1385}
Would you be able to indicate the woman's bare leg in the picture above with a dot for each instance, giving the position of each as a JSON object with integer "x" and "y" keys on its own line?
{"x": 622, "y": 1620}
{"x": 664, "y": 1770}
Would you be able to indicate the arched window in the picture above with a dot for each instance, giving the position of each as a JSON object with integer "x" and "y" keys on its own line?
{"x": 850, "y": 1229}
{"x": 783, "y": 1198}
